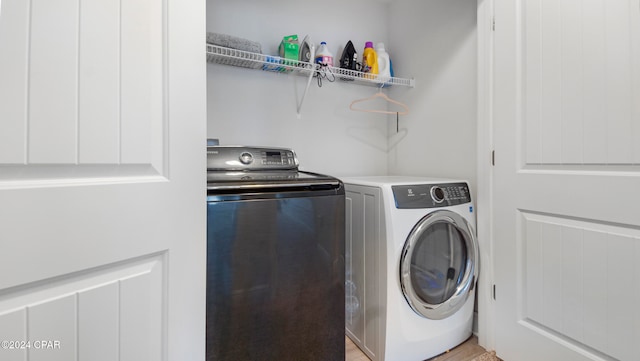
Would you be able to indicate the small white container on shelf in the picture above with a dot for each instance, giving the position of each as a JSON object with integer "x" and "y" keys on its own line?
{"x": 384, "y": 64}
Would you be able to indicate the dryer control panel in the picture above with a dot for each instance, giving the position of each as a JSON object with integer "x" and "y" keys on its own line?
{"x": 431, "y": 195}
{"x": 244, "y": 158}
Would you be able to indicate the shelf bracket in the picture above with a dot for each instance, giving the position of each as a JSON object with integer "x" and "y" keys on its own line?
{"x": 304, "y": 92}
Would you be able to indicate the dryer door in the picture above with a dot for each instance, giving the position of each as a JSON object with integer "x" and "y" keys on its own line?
{"x": 438, "y": 265}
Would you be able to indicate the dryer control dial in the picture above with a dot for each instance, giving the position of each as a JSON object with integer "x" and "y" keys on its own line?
{"x": 437, "y": 194}
{"x": 246, "y": 158}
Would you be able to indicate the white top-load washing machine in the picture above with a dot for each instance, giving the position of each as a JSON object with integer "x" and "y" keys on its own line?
{"x": 411, "y": 265}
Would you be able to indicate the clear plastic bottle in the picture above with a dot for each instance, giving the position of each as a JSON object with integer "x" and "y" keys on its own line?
{"x": 384, "y": 64}
{"x": 369, "y": 60}
{"x": 323, "y": 55}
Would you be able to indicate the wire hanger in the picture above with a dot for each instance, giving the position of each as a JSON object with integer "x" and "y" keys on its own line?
{"x": 380, "y": 94}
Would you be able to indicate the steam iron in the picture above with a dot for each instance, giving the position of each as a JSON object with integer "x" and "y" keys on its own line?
{"x": 349, "y": 58}
{"x": 307, "y": 50}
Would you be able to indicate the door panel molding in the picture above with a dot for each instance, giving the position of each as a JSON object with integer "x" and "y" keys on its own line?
{"x": 44, "y": 176}
{"x": 580, "y": 64}
{"x": 575, "y": 284}
{"x": 94, "y": 312}
{"x": 632, "y": 170}
{"x": 107, "y": 90}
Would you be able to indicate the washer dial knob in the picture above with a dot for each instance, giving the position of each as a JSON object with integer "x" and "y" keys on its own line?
{"x": 246, "y": 158}
{"x": 437, "y": 194}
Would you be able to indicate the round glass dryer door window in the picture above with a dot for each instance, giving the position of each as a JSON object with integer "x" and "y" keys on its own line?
{"x": 438, "y": 265}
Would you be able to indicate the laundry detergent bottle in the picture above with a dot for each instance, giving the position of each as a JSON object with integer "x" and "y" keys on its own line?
{"x": 369, "y": 60}
{"x": 384, "y": 64}
{"x": 323, "y": 55}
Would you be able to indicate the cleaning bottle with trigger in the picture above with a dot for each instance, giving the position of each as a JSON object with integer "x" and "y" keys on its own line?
{"x": 369, "y": 60}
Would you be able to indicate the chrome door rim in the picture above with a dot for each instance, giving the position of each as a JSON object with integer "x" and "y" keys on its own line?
{"x": 457, "y": 300}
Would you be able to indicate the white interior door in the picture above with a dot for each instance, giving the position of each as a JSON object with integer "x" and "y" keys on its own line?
{"x": 566, "y": 117}
{"x": 102, "y": 178}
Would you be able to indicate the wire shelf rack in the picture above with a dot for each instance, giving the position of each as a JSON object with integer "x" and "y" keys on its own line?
{"x": 244, "y": 59}
{"x": 227, "y": 56}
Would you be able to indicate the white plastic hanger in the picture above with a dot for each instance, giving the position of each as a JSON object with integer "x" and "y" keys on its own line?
{"x": 380, "y": 94}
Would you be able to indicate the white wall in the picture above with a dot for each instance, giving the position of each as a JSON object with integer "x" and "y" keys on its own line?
{"x": 259, "y": 108}
{"x": 437, "y": 45}
{"x": 433, "y": 41}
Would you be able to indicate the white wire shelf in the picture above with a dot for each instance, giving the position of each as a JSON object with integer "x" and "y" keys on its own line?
{"x": 244, "y": 59}
{"x": 370, "y": 79}
{"x": 227, "y": 56}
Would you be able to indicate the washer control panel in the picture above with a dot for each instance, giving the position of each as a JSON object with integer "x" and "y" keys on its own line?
{"x": 431, "y": 195}
{"x": 250, "y": 158}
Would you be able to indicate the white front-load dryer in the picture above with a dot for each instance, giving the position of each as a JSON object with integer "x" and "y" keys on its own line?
{"x": 411, "y": 265}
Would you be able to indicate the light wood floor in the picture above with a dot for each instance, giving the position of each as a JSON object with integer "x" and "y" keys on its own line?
{"x": 465, "y": 352}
